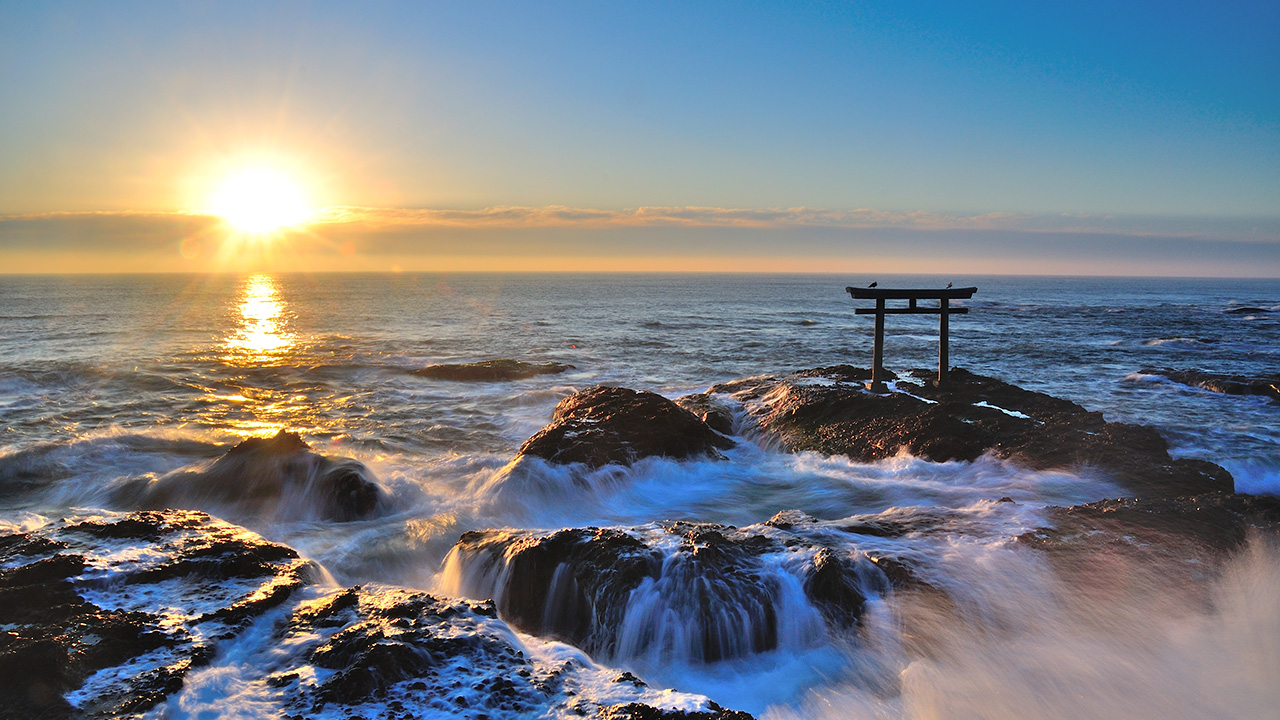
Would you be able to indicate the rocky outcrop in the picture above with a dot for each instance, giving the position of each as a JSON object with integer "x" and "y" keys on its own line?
{"x": 491, "y": 370}
{"x": 148, "y": 594}
{"x": 1265, "y": 386}
{"x": 828, "y": 410}
{"x": 108, "y": 617}
{"x": 683, "y": 591}
{"x": 1217, "y": 523}
{"x": 277, "y": 478}
{"x": 616, "y": 426}
{"x": 397, "y": 653}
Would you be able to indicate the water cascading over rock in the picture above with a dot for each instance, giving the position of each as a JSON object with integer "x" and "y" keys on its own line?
{"x": 678, "y": 591}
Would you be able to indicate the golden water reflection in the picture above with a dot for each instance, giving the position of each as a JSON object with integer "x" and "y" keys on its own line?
{"x": 261, "y": 336}
{"x": 263, "y": 331}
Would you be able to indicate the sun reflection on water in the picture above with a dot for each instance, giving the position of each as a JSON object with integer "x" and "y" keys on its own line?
{"x": 263, "y": 332}
{"x": 259, "y": 383}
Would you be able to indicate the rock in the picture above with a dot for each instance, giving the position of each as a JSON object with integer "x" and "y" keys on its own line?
{"x": 1266, "y": 385}
{"x": 710, "y": 410}
{"x": 616, "y": 426}
{"x": 1216, "y": 522}
{"x": 1246, "y": 310}
{"x": 393, "y": 653}
{"x": 604, "y": 565}
{"x": 147, "y": 595}
{"x": 828, "y": 410}
{"x": 1161, "y": 547}
{"x": 491, "y": 370}
{"x": 699, "y": 592}
{"x": 635, "y": 711}
{"x": 277, "y": 477}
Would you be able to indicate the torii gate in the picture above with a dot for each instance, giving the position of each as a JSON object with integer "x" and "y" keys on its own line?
{"x": 943, "y": 311}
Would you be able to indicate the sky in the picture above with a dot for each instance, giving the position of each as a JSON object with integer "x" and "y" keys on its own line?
{"x": 1132, "y": 138}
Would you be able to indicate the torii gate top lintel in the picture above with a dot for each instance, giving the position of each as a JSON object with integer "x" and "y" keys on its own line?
{"x": 944, "y": 296}
{"x": 876, "y": 293}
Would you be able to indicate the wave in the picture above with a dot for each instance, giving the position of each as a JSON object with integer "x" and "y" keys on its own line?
{"x": 756, "y": 483}
{"x": 1187, "y": 343}
{"x": 277, "y": 478}
{"x": 1112, "y": 640}
{"x": 76, "y": 471}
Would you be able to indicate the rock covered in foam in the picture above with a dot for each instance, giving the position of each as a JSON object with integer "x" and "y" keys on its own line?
{"x": 828, "y": 410}
{"x": 616, "y": 426}
{"x": 679, "y": 591}
{"x": 392, "y": 653}
{"x": 278, "y": 477}
{"x": 104, "y": 617}
{"x": 491, "y": 370}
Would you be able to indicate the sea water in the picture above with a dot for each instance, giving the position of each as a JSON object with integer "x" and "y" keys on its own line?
{"x": 108, "y": 379}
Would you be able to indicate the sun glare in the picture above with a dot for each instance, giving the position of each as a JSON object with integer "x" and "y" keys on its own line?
{"x": 260, "y": 201}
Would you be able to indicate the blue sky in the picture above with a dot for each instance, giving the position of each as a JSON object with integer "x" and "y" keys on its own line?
{"x": 1147, "y": 119}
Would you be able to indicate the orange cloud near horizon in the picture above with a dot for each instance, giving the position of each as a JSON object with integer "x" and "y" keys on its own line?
{"x": 646, "y": 239}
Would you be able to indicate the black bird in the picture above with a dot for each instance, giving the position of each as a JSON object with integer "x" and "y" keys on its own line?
{"x": 873, "y": 284}
{"x": 948, "y": 284}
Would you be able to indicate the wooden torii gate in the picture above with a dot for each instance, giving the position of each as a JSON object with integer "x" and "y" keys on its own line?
{"x": 943, "y": 311}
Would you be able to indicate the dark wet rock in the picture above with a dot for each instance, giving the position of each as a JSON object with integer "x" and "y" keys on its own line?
{"x": 276, "y": 477}
{"x": 611, "y": 425}
{"x": 1170, "y": 547}
{"x": 395, "y": 653}
{"x": 829, "y": 411}
{"x": 1246, "y": 310}
{"x": 710, "y": 410}
{"x": 838, "y": 585}
{"x": 635, "y": 711}
{"x": 602, "y": 566}
{"x": 137, "y": 596}
{"x": 1264, "y": 385}
{"x": 491, "y": 370}
{"x": 617, "y": 592}
{"x": 1216, "y": 522}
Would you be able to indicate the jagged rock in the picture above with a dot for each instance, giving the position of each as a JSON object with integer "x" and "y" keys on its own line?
{"x": 491, "y": 370}
{"x": 395, "y": 653}
{"x": 77, "y": 599}
{"x": 274, "y": 477}
{"x": 617, "y": 593}
{"x": 828, "y": 410}
{"x": 612, "y": 425}
{"x": 635, "y": 711}
{"x": 1266, "y": 385}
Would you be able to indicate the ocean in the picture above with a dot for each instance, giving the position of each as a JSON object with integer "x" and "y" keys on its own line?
{"x": 108, "y": 380}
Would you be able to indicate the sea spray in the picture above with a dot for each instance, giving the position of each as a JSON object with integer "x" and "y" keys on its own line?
{"x": 1021, "y": 642}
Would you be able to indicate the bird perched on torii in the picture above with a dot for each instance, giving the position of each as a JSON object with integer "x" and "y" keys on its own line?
{"x": 873, "y": 284}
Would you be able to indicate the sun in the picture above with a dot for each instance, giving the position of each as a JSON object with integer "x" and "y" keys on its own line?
{"x": 260, "y": 201}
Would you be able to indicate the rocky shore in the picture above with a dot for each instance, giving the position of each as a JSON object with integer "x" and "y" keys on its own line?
{"x": 828, "y": 410}
{"x": 109, "y": 616}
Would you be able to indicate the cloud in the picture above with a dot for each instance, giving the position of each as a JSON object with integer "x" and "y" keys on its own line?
{"x": 123, "y": 230}
{"x": 141, "y": 225}
{"x": 360, "y": 238}
{"x": 687, "y": 216}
